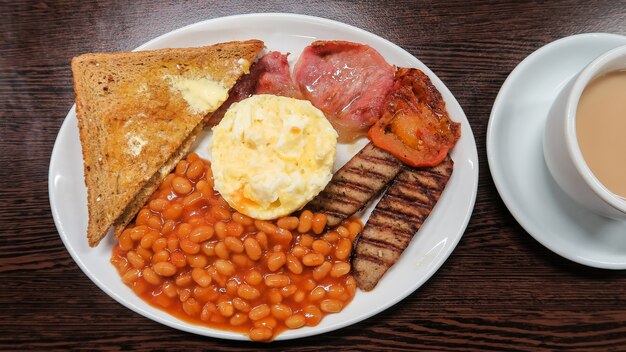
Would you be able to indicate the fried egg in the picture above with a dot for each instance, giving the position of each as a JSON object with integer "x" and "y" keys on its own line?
{"x": 271, "y": 155}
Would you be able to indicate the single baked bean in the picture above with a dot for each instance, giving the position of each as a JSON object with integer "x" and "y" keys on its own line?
{"x": 331, "y": 236}
{"x": 281, "y": 311}
{"x": 317, "y": 294}
{"x": 221, "y": 251}
{"x": 293, "y": 264}
{"x": 282, "y": 235}
{"x": 126, "y": 242}
{"x": 242, "y": 219}
{"x": 148, "y": 239}
{"x": 321, "y": 271}
{"x": 184, "y": 294}
{"x": 306, "y": 220}
{"x": 265, "y": 227}
{"x": 224, "y": 267}
{"x": 159, "y": 245}
{"x": 350, "y": 285}
{"x": 321, "y": 247}
{"x": 220, "y": 213}
{"x": 306, "y": 240}
{"x": 276, "y": 260}
{"x": 260, "y": 334}
{"x": 164, "y": 269}
{"x": 220, "y": 230}
{"x": 254, "y": 277}
{"x": 195, "y": 170}
{"x": 197, "y": 261}
{"x": 340, "y": 269}
{"x": 309, "y": 284}
{"x": 157, "y": 204}
{"x": 181, "y": 185}
{"x": 173, "y": 212}
{"x": 168, "y": 227}
{"x": 259, "y": 312}
{"x": 172, "y": 242}
{"x": 183, "y": 279}
{"x": 343, "y": 232}
{"x": 331, "y": 306}
{"x": 184, "y": 230}
{"x": 234, "y": 244}
{"x": 238, "y": 319}
{"x": 130, "y": 276}
{"x": 299, "y": 251}
{"x": 201, "y": 277}
{"x": 226, "y": 308}
{"x": 189, "y": 247}
{"x": 137, "y": 232}
{"x": 318, "y": 223}
{"x": 142, "y": 217}
{"x": 248, "y": 292}
{"x": 241, "y": 260}
{"x": 241, "y": 305}
{"x": 268, "y": 322}
{"x": 181, "y": 168}
{"x": 146, "y": 254}
{"x": 277, "y": 280}
{"x": 312, "y": 259}
{"x": 252, "y": 248}
{"x": 231, "y": 287}
{"x": 344, "y": 247}
{"x": 204, "y": 294}
{"x": 336, "y": 291}
{"x": 295, "y": 321}
{"x": 288, "y": 223}
{"x": 169, "y": 289}
{"x": 354, "y": 227}
{"x": 261, "y": 237}
{"x": 299, "y": 296}
{"x": 201, "y": 234}
{"x": 161, "y": 256}
{"x": 135, "y": 260}
{"x": 234, "y": 229}
{"x": 312, "y": 315}
{"x": 288, "y": 290}
{"x": 192, "y": 307}
{"x": 151, "y": 277}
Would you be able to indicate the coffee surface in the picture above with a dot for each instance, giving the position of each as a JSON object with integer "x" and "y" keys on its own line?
{"x": 601, "y": 129}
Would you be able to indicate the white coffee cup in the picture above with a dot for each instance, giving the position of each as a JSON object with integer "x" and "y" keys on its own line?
{"x": 560, "y": 144}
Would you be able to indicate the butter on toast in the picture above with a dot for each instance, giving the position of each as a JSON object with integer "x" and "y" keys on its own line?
{"x": 138, "y": 115}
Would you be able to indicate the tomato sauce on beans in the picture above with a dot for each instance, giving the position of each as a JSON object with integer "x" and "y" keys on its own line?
{"x": 190, "y": 254}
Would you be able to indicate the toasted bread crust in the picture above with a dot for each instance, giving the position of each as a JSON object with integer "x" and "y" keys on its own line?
{"x": 132, "y": 123}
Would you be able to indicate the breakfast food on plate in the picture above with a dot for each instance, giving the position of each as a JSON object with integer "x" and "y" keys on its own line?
{"x": 352, "y": 187}
{"x": 196, "y": 258}
{"x": 272, "y": 155}
{"x": 269, "y": 75}
{"x": 347, "y": 81}
{"x": 415, "y": 126}
{"x": 226, "y": 243}
{"x": 399, "y": 214}
{"x": 139, "y": 113}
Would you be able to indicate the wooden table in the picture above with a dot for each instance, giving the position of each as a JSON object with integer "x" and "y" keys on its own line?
{"x": 500, "y": 289}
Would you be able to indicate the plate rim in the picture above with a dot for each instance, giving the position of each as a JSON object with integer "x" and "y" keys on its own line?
{"x": 230, "y": 335}
{"x": 499, "y": 180}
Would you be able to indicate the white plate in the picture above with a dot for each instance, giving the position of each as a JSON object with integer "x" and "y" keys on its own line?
{"x": 515, "y": 154}
{"x": 286, "y": 33}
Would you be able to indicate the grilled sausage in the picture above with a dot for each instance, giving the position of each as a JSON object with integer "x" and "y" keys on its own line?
{"x": 355, "y": 184}
{"x": 397, "y": 217}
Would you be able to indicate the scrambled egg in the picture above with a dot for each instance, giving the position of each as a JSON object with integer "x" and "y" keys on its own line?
{"x": 271, "y": 155}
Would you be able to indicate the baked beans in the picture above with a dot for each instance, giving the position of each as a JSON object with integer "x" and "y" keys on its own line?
{"x": 193, "y": 256}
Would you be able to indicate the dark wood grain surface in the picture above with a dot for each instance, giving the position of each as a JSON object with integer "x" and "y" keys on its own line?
{"x": 500, "y": 290}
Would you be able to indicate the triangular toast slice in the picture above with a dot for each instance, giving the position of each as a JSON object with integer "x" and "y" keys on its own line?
{"x": 138, "y": 115}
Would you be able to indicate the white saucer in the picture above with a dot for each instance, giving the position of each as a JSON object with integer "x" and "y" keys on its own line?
{"x": 514, "y": 150}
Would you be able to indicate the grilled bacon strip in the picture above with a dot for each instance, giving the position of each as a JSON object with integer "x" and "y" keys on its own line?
{"x": 355, "y": 184}
{"x": 397, "y": 217}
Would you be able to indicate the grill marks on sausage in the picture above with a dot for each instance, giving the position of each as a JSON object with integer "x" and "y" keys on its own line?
{"x": 400, "y": 213}
{"x": 355, "y": 184}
